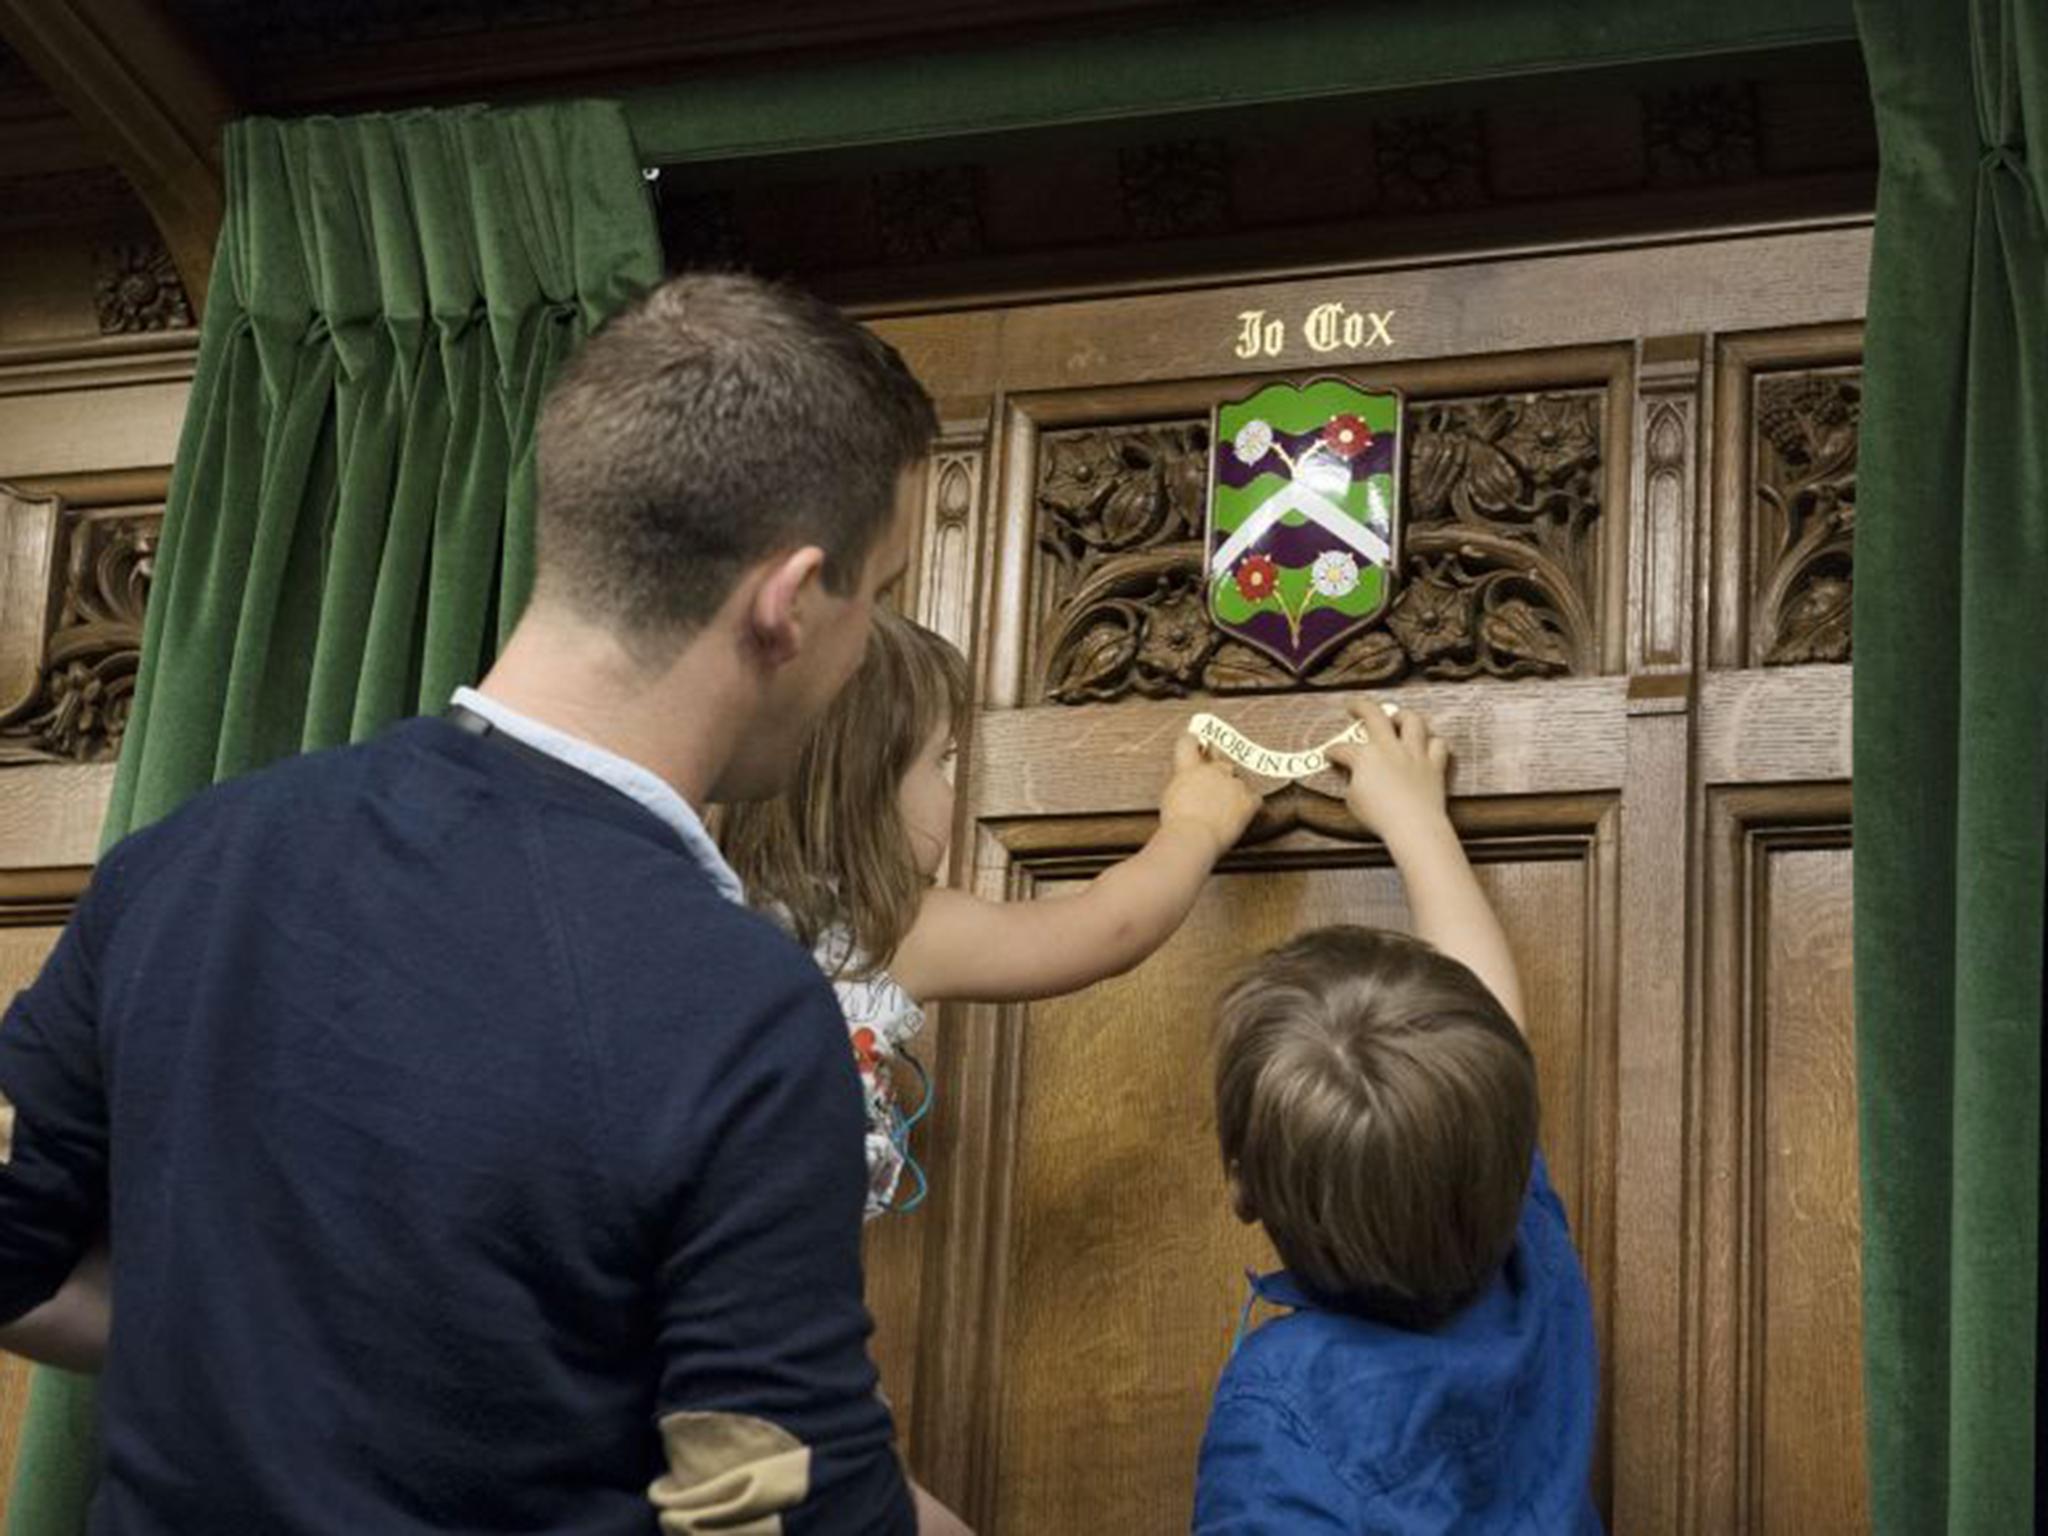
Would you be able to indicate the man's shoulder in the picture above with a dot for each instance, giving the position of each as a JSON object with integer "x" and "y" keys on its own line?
{"x": 652, "y": 898}
{"x": 291, "y": 788}
{"x": 656, "y": 940}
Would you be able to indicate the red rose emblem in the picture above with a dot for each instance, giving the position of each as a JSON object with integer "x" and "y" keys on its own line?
{"x": 1257, "y": 576}
{"x": 866, "y": 1051}
{"x": 1347, "y": 436}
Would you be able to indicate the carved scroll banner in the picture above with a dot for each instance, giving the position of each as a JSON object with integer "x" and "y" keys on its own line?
{"x": 1303, "y": 491}
{"x": 1226, "y": 740}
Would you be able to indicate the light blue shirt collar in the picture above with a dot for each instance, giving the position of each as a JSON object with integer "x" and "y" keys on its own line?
{"x": 627, "y": 777}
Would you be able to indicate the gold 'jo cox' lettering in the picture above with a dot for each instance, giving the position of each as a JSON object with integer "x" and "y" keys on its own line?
{"x": 1326, "y": 328}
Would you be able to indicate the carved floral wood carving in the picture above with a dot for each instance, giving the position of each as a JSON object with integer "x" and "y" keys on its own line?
{"x": 80, "y": 706}
{"x": 136, "y": 288}
{"x": 1499, "y": 574}
{"x": 1805, "y": 511}
{"x": 1176, "y": 188}
{"x": 1702, "y": 133}
{"x": 929, "y": 213}
{"x": 1431, "y": 162}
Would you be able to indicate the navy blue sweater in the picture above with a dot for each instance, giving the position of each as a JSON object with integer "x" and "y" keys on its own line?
{"x": 456, "y": 1136}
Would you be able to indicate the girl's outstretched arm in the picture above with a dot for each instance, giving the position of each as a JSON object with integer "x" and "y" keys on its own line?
{"x": 996, "y": 951}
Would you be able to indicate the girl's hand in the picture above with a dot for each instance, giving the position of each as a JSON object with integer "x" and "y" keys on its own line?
{"x": 1206, "y": 794}
{"x": 1397, "y": 772}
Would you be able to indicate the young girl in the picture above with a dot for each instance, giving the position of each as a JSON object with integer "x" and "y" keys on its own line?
{"x": 848, "y": 856}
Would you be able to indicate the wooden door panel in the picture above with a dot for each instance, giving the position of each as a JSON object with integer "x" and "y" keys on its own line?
{"x": 1629, "y": 506}
{"x": 1780, "y": 1301}
{"x": 1808, "y": 1299}
{"x": 1125, "y": 1266}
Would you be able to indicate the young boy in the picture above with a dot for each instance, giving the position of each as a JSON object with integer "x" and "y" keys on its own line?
{"x": 1377, "y": 1107}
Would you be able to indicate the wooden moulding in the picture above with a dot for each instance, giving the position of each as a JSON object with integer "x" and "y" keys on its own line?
{"x": 1438, "y": 311}
{"x": 1566, "y": 736}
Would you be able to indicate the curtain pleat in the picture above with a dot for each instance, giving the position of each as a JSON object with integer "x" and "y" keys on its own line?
{"x": 1951, "y": 761}
{"x": 349, "y": 532}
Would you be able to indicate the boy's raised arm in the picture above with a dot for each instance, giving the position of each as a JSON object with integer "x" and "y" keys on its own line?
{"x": 1397, "y": 791}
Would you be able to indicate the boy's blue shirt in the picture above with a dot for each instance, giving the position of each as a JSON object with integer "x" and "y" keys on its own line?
{"x": 1328, "y": 1422}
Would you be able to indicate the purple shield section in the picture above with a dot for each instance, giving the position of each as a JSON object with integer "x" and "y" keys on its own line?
{"x": 1320, "y": 629}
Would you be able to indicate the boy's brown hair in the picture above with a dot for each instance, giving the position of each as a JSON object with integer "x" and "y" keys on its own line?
{"x": 832, "y": 850}
{"x": 717, "y": 421}
{"x": 1377, "y": 1109}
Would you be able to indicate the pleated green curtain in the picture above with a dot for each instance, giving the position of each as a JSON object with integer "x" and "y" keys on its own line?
{"x": 1951, "y": 762}
{"x": 349, "y": 532}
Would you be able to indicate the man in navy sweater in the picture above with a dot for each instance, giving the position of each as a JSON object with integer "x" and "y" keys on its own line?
{"x": 470, "y": 1158}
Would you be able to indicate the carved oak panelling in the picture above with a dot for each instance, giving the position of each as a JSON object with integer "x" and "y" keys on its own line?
{"x": 945, "y": 591}
{"x": 1776, "y": 1255}
{"x": 73, "y": 705}
{"x": 1804, "y": 514}
{"x": 1500, "y": 570}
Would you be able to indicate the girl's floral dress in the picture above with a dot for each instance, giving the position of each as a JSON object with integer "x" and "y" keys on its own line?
{"x": 880, "y": 1019}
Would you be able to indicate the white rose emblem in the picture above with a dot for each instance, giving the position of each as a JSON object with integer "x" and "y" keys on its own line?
{"x": 1253, "y": 442}
{"x": 1334, "y": 574}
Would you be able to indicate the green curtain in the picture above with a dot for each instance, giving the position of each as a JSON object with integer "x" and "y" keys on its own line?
{"x": 349, "y": 531}
{"x": 1951, "y": 761}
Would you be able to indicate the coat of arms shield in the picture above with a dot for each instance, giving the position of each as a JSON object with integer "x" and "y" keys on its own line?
{"x": 1304, "y": 492}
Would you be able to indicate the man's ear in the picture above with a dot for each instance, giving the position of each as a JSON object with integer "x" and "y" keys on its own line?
{"x": 781, "y": 610}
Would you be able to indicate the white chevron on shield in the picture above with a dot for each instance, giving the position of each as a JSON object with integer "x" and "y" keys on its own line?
{"x": 1325, "y": 514}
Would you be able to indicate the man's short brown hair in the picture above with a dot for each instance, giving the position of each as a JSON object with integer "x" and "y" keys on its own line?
{"x": 1378, "y": 1109}
{"x": 715, "y": 422}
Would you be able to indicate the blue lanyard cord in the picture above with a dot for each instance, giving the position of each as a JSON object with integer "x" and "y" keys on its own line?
{"x": 899, "y": 1135}
{"x": 924, "y": 1091}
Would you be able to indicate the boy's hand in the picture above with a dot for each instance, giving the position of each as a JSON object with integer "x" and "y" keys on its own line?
{"x": 1397, "y": 772}
{"x": 1207, "y": 794}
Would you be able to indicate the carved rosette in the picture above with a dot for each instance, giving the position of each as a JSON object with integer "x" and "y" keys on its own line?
{"x": 929, "y": 213}
{"x": 80, "y": 710}
{"x": 1699, "y": 134}
{"x": 1805, "y": 511}
{"x": 1176, "y": 188}
{"x": 135, "y": 288}
{"x": 1429, "y": 163}
{"x": 1499, "y": 572}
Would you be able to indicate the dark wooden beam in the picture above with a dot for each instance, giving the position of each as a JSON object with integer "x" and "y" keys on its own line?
{"x": 317, "y": 59}
{"x": 148, "y": 98}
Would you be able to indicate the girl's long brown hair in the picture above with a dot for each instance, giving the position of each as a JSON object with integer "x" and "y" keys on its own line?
{"x": 832, "y": 850}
